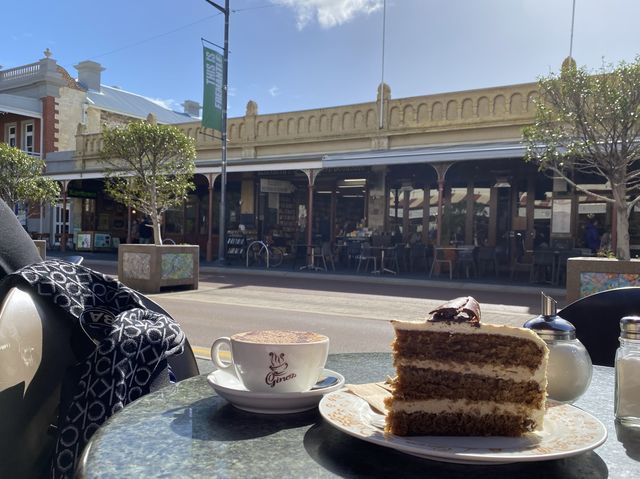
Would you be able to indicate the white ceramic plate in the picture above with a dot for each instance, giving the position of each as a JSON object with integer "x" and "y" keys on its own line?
{"x": 227, "y": 385}
{"x": 567, "y": 431}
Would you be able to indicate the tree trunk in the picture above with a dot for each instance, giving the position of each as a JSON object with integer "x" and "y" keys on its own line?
{"x": 622, "y": 222}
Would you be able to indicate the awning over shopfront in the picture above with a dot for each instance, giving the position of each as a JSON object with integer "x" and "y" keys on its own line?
{"x": 20, "y": 105}
{"x": 432, "y": 154}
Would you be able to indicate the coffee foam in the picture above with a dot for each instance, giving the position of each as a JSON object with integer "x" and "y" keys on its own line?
{"x": 279, "y": 337}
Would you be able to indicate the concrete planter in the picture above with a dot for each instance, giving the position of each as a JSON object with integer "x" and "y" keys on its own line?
{"x": 148, "y": 268}
{"x": 587, "y": 275}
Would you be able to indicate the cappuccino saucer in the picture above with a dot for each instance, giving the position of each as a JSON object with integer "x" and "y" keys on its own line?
{"x": 228, "y": 386}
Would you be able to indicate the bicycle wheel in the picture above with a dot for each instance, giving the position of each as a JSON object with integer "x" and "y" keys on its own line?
{"x": 276, "y": 257}
{"x": 254, "y": 254}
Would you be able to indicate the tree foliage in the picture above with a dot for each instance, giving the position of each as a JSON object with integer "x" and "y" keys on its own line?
{"x": 589, "y": 123}
{"x": 21, "y": 178}
{"x": 149, "y": 167}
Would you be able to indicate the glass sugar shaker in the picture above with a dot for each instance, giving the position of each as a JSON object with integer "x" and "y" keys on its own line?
{"x": 627, "y": 392}
{"x": 569, "y": 369}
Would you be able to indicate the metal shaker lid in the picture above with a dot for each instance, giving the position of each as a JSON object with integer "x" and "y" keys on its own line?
{"x": 630, "y": 327}
{"x": 550, "y": 326}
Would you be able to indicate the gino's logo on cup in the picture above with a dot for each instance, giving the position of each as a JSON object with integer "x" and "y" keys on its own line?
{"x": 278, "y": 370}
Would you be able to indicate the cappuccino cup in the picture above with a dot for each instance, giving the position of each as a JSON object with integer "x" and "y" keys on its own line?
{"x": 274, "y": 361}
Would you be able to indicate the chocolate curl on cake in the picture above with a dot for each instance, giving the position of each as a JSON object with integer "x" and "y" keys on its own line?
{"x": 463, "y": 309}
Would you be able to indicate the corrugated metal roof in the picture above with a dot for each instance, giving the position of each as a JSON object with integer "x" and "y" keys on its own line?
{"x": 127, "y": 103}
{"x": 20, "y": 105}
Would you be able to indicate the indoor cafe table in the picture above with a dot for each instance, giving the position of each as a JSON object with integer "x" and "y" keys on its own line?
{"x": 187, "y": 431}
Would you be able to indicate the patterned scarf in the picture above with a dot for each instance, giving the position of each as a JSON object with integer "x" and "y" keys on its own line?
{"x": 129, "y": 348}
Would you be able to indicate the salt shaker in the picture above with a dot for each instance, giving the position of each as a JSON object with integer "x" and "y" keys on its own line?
{"x": 627, "y": 395}
{"x": 569, "y": 369}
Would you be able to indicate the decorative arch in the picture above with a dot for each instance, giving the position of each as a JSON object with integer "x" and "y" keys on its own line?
{"x": 467, "y": 109}
{"x": 531, "y": 107}
{"x": 452, "y": 110}
{"x": 313, "y": 124}
{"x": 437, "y": 112}
{"x": 359, "y": 120}
{"x": 291, "y": 126}
{"x": 347, "y": 121}
{"x": 302, "y": 126}
{"x": 271, "y": 128}
{"x": 423, "y": 113}
{"x": 483, "y": 107}
{"x": 282, "y": 128}
{"x": 371, "y": 118}
{"x": 409, "y": 115}
{"x": 515, "y": 104}
{"x": 324, "y": 123}
{"x": 335, "y": 122}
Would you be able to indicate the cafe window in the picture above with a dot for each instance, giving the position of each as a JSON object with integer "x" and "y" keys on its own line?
{"x": 416, "y": 207}
{"x": 481, "y": 215}
{"x": 396, "y": 210}
{"x": 454, "y": 218}
{"x": 173, "y": 220}
{"x": 190, "y": 214}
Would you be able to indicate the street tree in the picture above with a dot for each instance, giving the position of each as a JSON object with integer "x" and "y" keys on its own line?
{"x": 21, "y": 178}
{"x": 589, "y": 123}
{"x": 149, "y": 167}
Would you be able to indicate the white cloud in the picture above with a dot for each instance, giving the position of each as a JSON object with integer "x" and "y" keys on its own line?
{"x": 231, "y": 91}
{"x": 168, "y": 103}
{"x": 274, "y": 91}
{"x": 329, "y": 13}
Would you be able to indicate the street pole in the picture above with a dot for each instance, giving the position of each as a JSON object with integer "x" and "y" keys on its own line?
{"x": 223, "y": 175}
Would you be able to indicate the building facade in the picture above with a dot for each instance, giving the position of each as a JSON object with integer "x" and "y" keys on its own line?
{"x": 441, "y": 169}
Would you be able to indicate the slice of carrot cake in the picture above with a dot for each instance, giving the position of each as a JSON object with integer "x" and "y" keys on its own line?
{"x": 458, "y": 377}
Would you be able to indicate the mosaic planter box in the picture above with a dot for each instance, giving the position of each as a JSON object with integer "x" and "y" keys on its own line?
{"x": 148, "y": 268}
{"x": 586, "y": 276}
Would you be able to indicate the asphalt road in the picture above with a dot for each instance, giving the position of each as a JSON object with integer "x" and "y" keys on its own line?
{"x": 354, "y": 315}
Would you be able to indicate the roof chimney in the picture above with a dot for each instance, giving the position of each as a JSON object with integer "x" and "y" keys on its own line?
{"x": 192, "y": 108}
{"x": 89, "y": 74}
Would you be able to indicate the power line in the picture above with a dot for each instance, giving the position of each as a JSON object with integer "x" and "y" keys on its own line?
{"x": 131, "y": 45}
{"x": 156, "y": 36}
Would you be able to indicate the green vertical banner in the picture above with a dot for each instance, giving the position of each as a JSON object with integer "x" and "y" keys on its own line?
{"x": 212, "y": 101}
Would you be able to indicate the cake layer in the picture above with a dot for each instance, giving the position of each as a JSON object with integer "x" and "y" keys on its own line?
{"x": 418, "y": 383}
{"x": 513, "y": 373}
{"x": 472, "y": 348}
{"x": 457, "y": 424}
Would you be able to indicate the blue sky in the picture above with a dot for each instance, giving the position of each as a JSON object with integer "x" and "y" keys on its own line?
{"x": 298, "y": 54}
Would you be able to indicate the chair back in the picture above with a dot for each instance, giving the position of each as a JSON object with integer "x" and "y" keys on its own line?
{"x": 597, "y": 320}
{"x": 32, "y": 371}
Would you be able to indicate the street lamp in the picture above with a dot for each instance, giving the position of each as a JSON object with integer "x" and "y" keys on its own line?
{"x": 223, "y": 173}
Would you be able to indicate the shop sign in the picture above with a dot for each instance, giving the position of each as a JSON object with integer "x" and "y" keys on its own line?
{"x": 81, "y": 193}
{"x": 275, "y": 186}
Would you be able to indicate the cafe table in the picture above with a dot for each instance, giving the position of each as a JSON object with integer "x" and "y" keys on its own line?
{"x": 186, "y": 431}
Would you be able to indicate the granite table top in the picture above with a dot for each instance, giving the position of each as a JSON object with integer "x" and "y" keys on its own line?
{"x": 188, "y": 431}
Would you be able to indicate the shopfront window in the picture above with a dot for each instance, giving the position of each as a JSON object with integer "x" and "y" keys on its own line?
{"x": 455, "y": 214}
{"x": 481, "y": 215}
{"x": 416, "y": 207}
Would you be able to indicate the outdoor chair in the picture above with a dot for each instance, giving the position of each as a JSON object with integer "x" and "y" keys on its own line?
{"x": 417, "y": 256}
{"x": 561, "y": 266}
{"x": 543, "y": 268}
{"x": 392, "y": 257}
{"x": 366, "y": 255}
{"x": 597, "y": 320}
{"x": 466, "y": 263}
{"x": 353, "y": 252}
{"x": 520, "y": 264}
{"x": 487, "y": 260}
{"x": 325, "y": 254}
{"x": 441, "y": 258}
